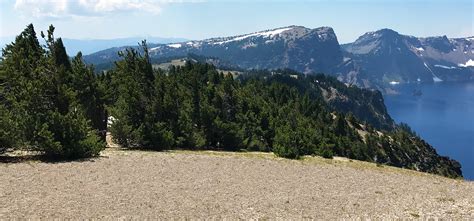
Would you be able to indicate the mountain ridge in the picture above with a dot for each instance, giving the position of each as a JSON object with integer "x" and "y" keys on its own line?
{"x": 89, "y": 46}
{"x": 387, "y": 56}
{"x": 375, "y": 60}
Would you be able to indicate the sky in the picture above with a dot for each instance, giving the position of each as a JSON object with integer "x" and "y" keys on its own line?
{"x": 201, "y": 19}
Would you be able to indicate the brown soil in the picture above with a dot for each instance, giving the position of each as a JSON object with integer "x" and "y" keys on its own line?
{"x": 183, "y": 184}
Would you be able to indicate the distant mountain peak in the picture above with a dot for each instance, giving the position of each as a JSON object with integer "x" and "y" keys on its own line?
{"x": 387, "y": 31}
{"x": 324, "y": 29}
{"x": 384, "y": 34}
{"x": 441, "y": 43}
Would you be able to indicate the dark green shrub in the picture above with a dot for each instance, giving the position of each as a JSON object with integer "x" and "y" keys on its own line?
{"x": 69, "y": 136}
{"x": 286, "y": 152}
{"x": 121, "y": 133}
{"x": 286, "y": 144}
{"x": 161, "y": 137}
{"x": 326, "y": 150}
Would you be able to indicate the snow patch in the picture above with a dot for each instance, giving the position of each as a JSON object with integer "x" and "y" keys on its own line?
{"x": 420, "y": 49}
{"x": 265, "y": 34}
{"x": 174, "y": 45}
{"x": 469, "y": 63}
{"x": 194, "y": 44}
{"x": 445, "y": 67}
{"x": 269, "y": 41}
{"x": 249, "y": 45}
{"x": 435, "y": 78}
{"x": 426, "y": 65}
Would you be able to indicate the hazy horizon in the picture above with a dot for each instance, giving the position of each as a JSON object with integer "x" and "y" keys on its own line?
{"x": 197, "y": 20}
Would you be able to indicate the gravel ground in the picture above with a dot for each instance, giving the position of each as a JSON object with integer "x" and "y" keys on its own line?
{"x": 217, "y": 185}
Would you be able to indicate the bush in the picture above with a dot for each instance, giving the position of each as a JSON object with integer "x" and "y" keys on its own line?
{"x": 286, "y": 144}
{"x": 160, "y": 137}
{"x": 257, "y": 145}
{"x": 68, "y": 137}
{"x": 325, "y": 150}
{"x": 286, "y": 152}
{"x": 197, "y": 139}
{"x": 121, "y": 132}
{"x": 328, "y": 154}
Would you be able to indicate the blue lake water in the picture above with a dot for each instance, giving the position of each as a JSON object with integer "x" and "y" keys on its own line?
{"x": 443, "y": 116}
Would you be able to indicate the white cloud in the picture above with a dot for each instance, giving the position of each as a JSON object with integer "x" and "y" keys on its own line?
{"x": 100, "y": 6}
{"x": 87, "y": 8}
{"x": 42, "y": 8}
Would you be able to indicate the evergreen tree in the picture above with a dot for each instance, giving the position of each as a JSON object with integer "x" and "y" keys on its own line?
{"x": 39, "y": 101}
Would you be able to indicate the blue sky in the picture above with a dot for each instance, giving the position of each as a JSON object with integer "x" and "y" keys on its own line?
{"x": 199, "y": 19}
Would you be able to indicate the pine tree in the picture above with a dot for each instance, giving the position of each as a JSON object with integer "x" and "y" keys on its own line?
{"x": 90, "y": 94}
{"x": 40, "y": 100}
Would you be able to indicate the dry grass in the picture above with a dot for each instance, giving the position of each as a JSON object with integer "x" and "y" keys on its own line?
{"x": 206, "y": 184}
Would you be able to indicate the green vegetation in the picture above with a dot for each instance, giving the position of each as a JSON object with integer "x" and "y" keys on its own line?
{"x": 48, "y": 103}
{"x": 57, "y": 106}
{"x": 197, "y": 107}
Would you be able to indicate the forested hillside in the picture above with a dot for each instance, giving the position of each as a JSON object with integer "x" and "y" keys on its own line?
{"x": 58, "y": 106}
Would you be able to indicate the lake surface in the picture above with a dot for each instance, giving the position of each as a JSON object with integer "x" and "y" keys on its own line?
{"x": 443, "y": 116}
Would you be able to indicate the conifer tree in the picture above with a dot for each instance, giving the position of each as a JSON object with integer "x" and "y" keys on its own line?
{"x": 39, "y": 101}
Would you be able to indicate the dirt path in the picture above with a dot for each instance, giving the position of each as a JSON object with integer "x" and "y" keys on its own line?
{"x": 180, "y": 184}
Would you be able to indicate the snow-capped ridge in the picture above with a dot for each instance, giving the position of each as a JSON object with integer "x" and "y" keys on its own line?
{"x": 266, "y": 34}
{"x": 270, "y": 36}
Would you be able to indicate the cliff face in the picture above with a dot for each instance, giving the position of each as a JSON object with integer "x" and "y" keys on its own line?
{"x": 294, "y": 47}
{"x": 385, "y": 56}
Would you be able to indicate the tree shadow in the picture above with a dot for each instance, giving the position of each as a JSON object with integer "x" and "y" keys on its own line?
{"x": 12, "y": 159}
{"x": 18, "y": 159}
